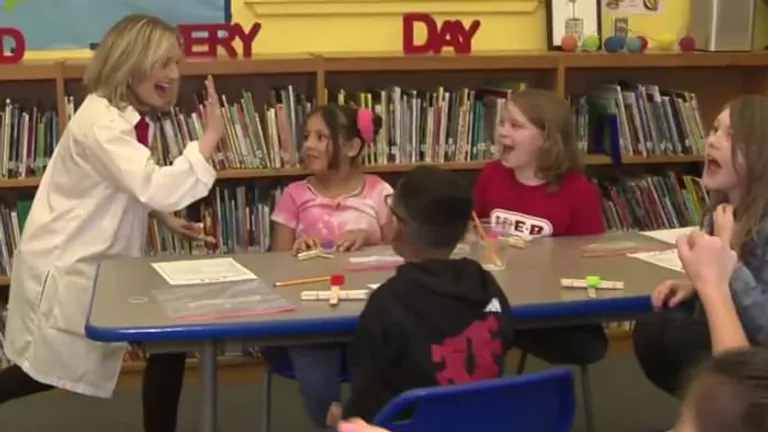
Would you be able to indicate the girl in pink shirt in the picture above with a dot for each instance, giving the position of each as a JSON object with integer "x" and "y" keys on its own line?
{"x": 339, "y": 205}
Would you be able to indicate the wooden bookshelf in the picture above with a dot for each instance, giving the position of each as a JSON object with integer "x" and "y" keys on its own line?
{"x": 562, "y": 72}
{"x": 714, "y": 77}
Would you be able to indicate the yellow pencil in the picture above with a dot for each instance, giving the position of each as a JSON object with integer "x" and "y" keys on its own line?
{"x": 303, "y": 281}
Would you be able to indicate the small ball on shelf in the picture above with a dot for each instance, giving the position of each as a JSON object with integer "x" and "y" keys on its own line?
{"x": 590, "y": 43}
{"x": 614, "y": 44}
{"x": 633, "y": 45}
{"x": 570, "y": 43}
{"x": 643, "y": 42}
{"x": 666, "y": 42}
{"x": 687, "y": 44}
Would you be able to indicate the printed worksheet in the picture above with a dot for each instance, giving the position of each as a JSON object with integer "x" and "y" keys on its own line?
{"x": 668, "y": 259}
{"x": 669, "y": 235}
{"x": 203, "y": 271}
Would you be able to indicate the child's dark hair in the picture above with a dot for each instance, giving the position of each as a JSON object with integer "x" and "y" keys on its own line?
{"x": 345, "y": 123}
{"x": 730, "y": 393}
{"x": 435, "y": 205}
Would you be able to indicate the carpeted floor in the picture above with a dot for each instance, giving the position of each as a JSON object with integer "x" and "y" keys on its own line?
{"x": 624, "y": 401}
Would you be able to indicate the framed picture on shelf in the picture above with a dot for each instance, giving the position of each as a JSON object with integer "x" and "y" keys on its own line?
{"x": 577, "y": 17}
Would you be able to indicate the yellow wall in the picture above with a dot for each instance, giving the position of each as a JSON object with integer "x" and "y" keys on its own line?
{"x": 322, "y": 26}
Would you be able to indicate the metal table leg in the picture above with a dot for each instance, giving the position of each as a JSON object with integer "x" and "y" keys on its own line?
{"x": 209, "y": 377}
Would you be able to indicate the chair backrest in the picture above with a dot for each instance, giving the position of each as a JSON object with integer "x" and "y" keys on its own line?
{"x": 541, "y": 402}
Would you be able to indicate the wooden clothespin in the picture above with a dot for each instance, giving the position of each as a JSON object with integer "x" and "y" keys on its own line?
{"x": 592, "y": 284}
{"x": 312, "y": 254}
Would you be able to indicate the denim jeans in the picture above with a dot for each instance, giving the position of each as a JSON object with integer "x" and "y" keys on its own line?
{"x": 318, "y": 370}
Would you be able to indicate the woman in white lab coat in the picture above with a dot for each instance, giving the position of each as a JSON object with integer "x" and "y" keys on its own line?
{"x": 92, "y": 204}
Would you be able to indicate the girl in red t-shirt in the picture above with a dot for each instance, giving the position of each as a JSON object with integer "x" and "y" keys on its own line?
{"x": 538, "y": 182}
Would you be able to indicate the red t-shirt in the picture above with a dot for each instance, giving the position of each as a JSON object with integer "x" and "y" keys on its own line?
{"x": 572, "y": 209}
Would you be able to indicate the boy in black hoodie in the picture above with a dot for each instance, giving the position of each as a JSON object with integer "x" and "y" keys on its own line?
{"x": 437, "y": 321}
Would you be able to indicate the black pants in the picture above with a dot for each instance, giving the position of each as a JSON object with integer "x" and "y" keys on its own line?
{"x": 578, "y": 345}
{"x": 669, "y": 345}
{"x": 161, "y": 389}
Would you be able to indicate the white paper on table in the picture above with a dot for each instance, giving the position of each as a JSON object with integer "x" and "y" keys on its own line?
{"x": 669, "y": 235}
{"x": 202, "y": 271}
{"x": 667, "y": 259}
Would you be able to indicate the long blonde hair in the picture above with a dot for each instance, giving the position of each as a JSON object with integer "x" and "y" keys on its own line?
{"x": 550, "y": 114}
{"x": 749, "y": 142}
{"x": 131, "y": 50}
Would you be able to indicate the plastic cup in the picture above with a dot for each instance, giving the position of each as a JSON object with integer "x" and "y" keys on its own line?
{"x": 491, "y": 252}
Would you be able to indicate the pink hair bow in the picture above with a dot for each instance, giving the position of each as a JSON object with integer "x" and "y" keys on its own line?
{"x": 365, "y": 124}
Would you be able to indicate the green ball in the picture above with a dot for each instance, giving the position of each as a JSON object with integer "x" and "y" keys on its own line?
{"x": 590, "y": 43}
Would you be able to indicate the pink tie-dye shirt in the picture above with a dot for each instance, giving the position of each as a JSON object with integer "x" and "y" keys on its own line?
{"x": 312, "y": 215}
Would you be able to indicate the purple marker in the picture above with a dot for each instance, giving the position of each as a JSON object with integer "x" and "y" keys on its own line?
{"x": 328, "y": 246}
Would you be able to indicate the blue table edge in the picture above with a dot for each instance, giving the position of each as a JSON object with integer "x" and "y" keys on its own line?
{"x": 556, "y": 311}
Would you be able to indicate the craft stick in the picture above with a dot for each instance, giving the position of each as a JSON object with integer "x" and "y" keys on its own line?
{"x": 326, "y": 295}
{"x": 302, "y": 281}
{"x": 622, "y": 252}
{"x": 373, "y": 267}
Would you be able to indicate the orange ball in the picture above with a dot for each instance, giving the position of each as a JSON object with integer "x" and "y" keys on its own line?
{"x": 570, "y": 43}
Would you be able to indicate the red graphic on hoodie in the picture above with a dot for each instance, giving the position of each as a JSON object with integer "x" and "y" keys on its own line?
{"x": 471, "y": 355}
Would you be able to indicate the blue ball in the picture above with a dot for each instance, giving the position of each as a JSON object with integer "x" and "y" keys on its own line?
{"x": 614, "y": 44}
{"x": 633, "y": 45}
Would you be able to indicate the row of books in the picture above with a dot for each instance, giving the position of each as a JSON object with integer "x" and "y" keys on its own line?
{"x": 4, "y": 362}
{"x": 238, "y": 216}
{"x": 418, "y": 126}
{"x": 634, "y": 119}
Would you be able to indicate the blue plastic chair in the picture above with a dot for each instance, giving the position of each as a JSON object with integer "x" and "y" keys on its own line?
{"x": 279, "y": 363}
{"x": 541, "y": 402}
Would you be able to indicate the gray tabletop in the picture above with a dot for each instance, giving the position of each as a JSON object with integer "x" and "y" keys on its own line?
{"x": 530, "y": 279}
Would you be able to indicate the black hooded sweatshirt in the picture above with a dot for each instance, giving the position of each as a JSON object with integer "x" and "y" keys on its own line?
{"x": 435, "y": 322}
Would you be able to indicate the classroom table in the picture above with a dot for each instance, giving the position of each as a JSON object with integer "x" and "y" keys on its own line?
{"x": 123, "y": 308}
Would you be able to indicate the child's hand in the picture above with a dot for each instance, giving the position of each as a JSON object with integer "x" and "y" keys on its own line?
{"x": 333, "y": 417}
{"x": 305, "y": 243}
{"x": 351, "y": 241}
{"x": 723, "y": 223}
{"x": 708, "y": 261}
{"x": 671, "y": 293}
{"x": 357, "y": 425}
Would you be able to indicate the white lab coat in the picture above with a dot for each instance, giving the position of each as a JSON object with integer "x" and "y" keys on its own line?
{"x": 92, "y": 203}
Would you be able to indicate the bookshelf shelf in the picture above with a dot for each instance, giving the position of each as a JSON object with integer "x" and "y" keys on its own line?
{"x": 663, "y": 60}
{"x": 32, "y": 182}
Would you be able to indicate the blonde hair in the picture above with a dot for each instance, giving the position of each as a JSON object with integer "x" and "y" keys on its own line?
{"x": 550, "y": 114}
{"x": 749, "y": 140}
{"x": 130, "y": 51}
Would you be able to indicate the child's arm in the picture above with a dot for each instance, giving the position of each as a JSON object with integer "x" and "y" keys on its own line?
{"x": 586, "y": 209}
{"x": 371, "y": 355}
{"x": 283, "y": 238}
{"x": 383, "y": 212}
{"x": 725, "y": 328}
{"x": 285, "y": 218}
{"x": 749, "y": 289}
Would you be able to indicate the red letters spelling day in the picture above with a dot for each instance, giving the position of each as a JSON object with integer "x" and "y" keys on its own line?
{"x": 205, "y": 40}
{"x": 445, "y": 34}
